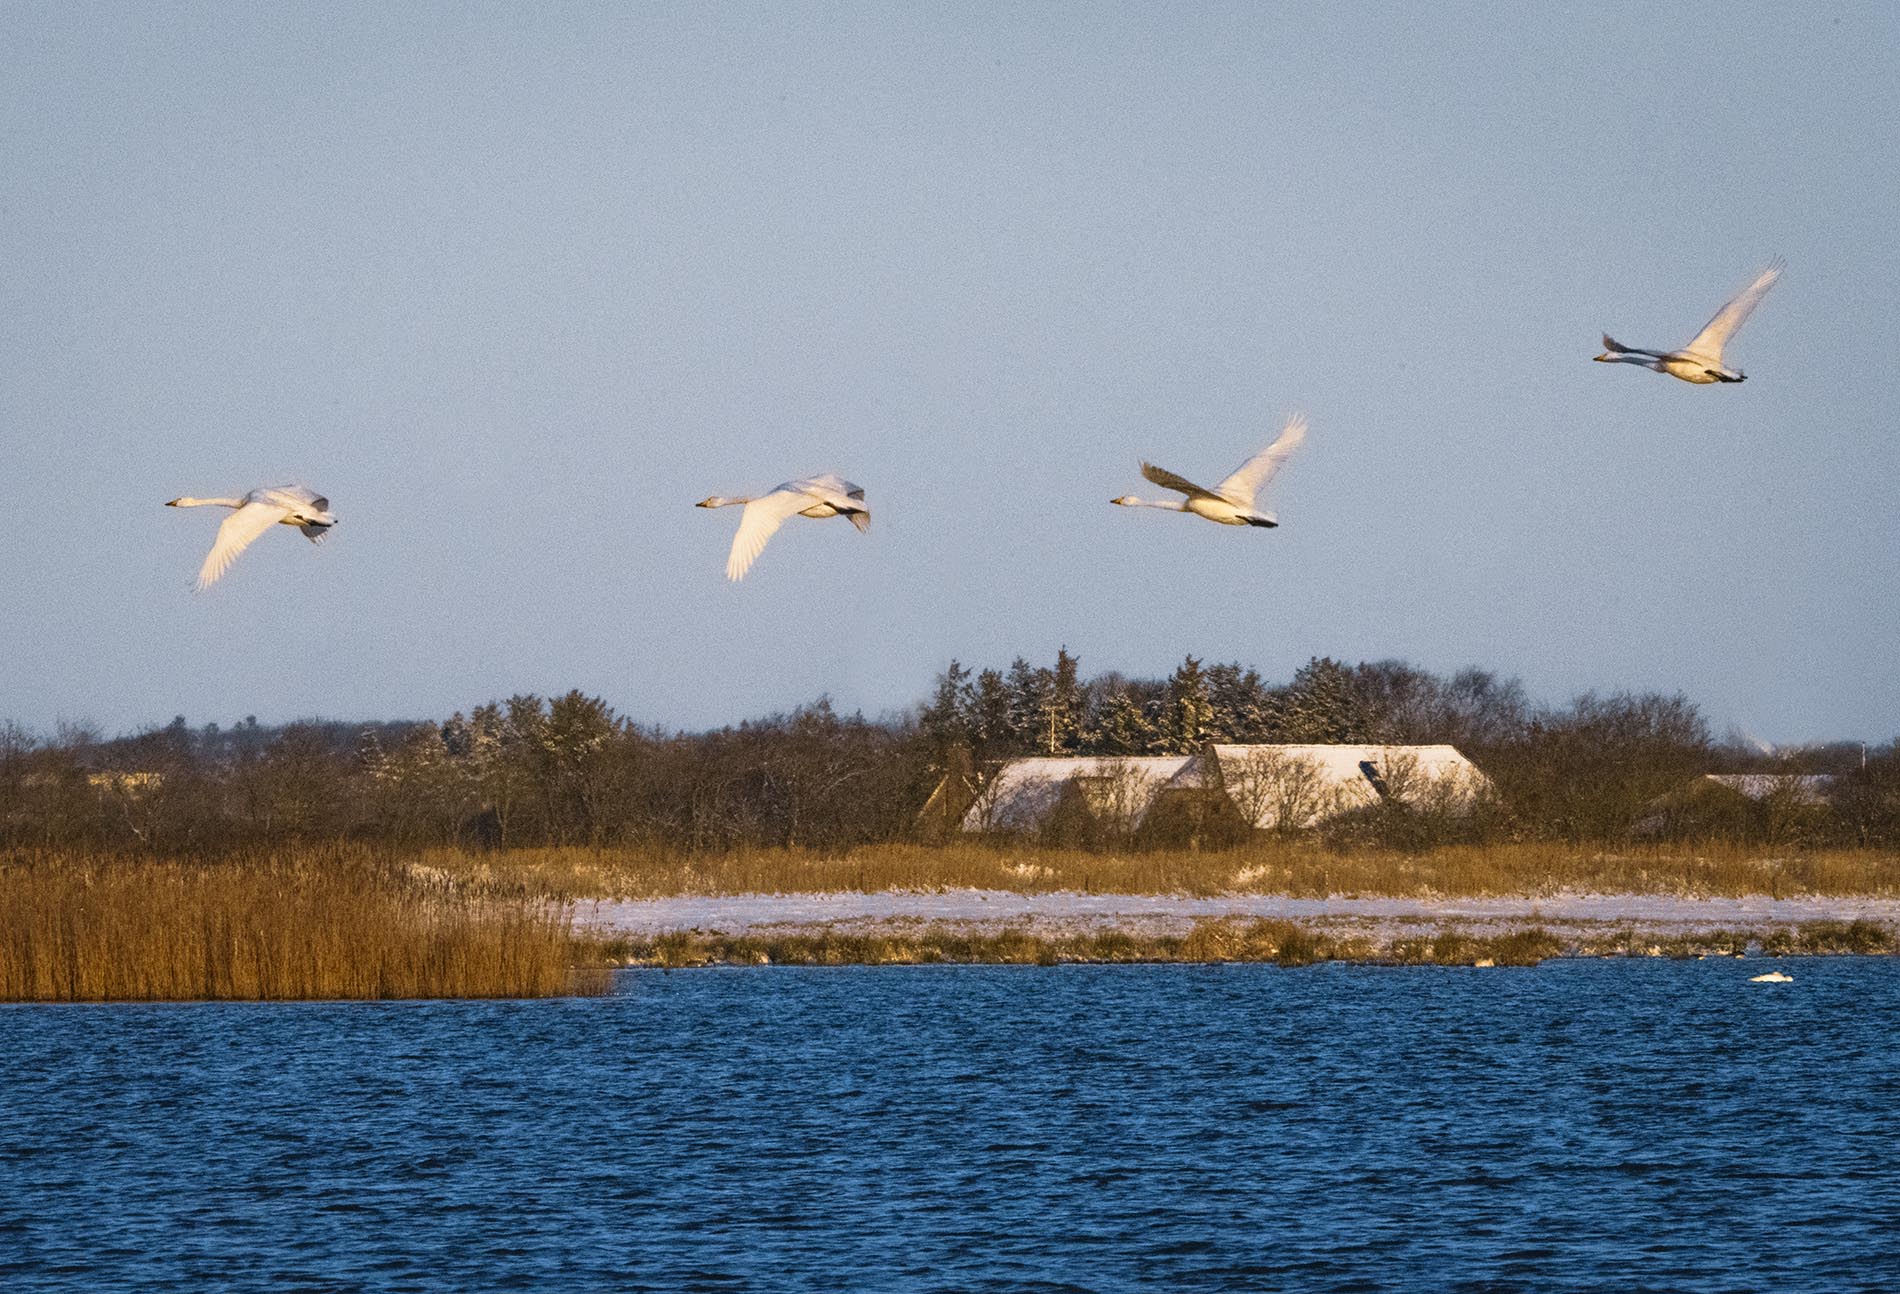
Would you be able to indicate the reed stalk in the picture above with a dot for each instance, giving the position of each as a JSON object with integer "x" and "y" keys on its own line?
{"x": 307, "y": 925}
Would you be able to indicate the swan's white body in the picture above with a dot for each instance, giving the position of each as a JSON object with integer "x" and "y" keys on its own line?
{"x": 258, "y": 511}
{"x": 815, "y": 496}
{"x": 1701, "y": 360}
{"x": 1772, "y": 977}
{"x": 1231, "y": 503}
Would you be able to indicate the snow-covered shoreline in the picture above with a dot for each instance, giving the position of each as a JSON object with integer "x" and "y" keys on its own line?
{"x": 1068, "y": 912}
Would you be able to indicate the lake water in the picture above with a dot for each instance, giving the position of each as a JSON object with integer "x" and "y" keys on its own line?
{"x": 1627, "y": 1125}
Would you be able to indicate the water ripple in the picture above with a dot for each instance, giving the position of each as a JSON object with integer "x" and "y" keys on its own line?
{"x": 1586, "y": 1125}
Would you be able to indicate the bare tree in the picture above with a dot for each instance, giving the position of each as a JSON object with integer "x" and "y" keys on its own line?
{"x": 1117, "y": 793}
{"x": 1277, "y": 791}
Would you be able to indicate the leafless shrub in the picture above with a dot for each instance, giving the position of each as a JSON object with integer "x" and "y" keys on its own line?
{"x": 1278, "y": 791}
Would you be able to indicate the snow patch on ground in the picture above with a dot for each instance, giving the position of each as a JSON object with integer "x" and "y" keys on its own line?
{"x": 1156, "y": 914}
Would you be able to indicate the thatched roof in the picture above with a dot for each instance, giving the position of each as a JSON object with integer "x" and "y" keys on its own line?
{"x": 1265, "y": 782}
{"x": 1024, "y": 793}
{"x": 1315, "y": 782}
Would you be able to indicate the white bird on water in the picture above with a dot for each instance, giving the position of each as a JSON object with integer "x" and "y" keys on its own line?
{"x": 258, "y": 511}
{"x": 1772, "y": 977}
{"x": 1701, "y": 360}
{"x": 1232, "y": 501}
{"x": 829, "y": 495}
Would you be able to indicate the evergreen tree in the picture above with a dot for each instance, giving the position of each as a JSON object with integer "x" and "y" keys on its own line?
{"x": 1030, "y": 697}
{"x": 1062, "y": 725}
{"x": 1189, "y": 710}
{"x": 945, "y": 723}
{"x": 1324, "y": 706}
{"x": 1240, "y": 704}
{"x": 990, "y": 729}
{"x": 1122, "y": 728}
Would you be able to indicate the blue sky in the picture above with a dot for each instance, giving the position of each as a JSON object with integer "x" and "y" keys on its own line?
{"x": 516, "y": 285}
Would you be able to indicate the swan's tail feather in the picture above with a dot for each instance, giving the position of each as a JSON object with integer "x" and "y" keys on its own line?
{"x": 861, "y": 519}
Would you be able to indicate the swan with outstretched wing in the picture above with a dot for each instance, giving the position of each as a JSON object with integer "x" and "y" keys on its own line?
{"x": 1700, "y": 361}
{"x": 814, "y": 496}
{"x": 1231, "y": 503}
{"x": 255, "y": 513}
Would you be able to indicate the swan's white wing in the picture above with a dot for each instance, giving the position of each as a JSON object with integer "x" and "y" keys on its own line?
{"x": 841, "y": 494}
{"x": 1163, "y": 477}
{"x": 758, "y": 522}
{"x": 1241, "y": 487}
{"x": 830, "y": 482}
{"x": 234, "y": 536}
{"x": 293, "y": 497}
{"x": 1708, "y": 343}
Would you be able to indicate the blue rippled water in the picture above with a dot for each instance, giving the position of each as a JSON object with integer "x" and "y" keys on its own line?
{"x": 1626, "y": 1125}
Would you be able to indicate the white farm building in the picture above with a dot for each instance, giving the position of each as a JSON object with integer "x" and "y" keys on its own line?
{"x": 1238, "y": 788}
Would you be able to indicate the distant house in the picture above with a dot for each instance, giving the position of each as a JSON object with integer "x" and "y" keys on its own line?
{"x": 126, "y": 783}
{"x": 1038, "y": 794}
{"x": 1300, "y": 786}
{"x": 942, "y": 814}
{"x": 1773, "y": 805}
{"x": 109, "y": 781}
{"x": 1809, "y": 789}
{"x": 1224, "y": 792}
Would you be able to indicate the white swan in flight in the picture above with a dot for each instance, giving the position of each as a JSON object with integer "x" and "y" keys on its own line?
{"x": 1701, "y": 360}
{"x": 829, "y": 495}
{"x": 258, "y": 511}
{"x": 1230, "y": 502}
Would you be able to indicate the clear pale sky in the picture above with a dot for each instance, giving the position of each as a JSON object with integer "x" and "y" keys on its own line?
{"x": 515, "y": 285}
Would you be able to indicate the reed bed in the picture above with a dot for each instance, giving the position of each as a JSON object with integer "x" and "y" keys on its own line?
{"x": 310, "y": 925}
{"x": 1286, "y": 943}
{"x": 1298, "y": 868}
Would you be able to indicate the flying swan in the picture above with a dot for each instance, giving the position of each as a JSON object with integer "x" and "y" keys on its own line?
{"x": 258, "y": 511}
{"x": 1230, "y": 502}
{"x": 1701, "y": 360}
{"x": 815, "y": 496}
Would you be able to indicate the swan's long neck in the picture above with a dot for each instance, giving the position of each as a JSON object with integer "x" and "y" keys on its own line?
{"x": 189, "y": 502}
{"x": 720, "y": 501}
{"x": 1614, "y": 352}
{"x": 1170, "y": 505}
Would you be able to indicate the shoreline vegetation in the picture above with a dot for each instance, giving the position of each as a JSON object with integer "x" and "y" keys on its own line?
{"x": 285, "y": 927}
{"x": 1300, "y": 868}
{"x": 1284, "y": 943}
{"x": 362, "y": 922}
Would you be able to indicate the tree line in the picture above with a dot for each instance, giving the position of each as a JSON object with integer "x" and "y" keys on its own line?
{"x": 569, "y": 770}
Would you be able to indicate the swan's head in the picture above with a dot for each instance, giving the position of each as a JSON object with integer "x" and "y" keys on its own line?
{"x": 710, "y": 501}
{"x": 172, "y": 503}
{"x": 1606, "y": 358}
{"x": 1126, "y": 500}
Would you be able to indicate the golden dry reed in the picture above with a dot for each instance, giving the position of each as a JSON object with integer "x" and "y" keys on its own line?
{"x": 1298, "y": 868}
{"x": 313, "y": 924}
